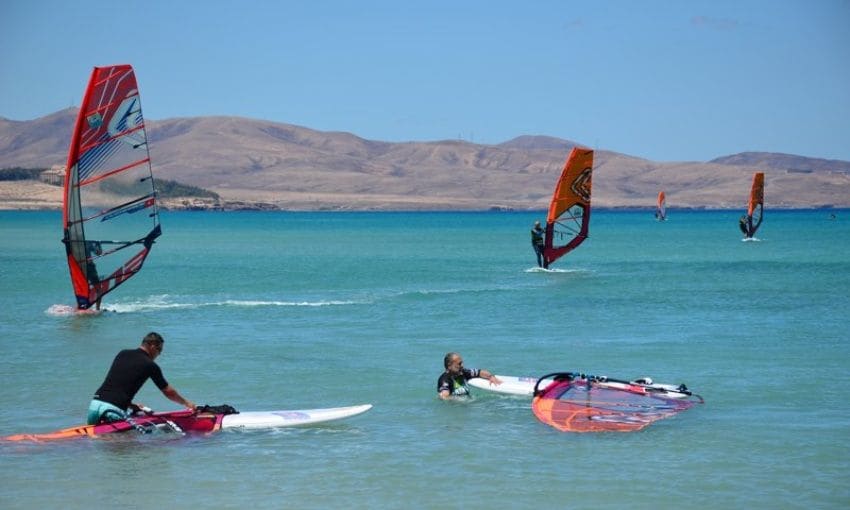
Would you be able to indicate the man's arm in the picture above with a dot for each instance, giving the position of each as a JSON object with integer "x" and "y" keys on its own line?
{"x": 172, "y": 395}
{"x": 486, "y": 374}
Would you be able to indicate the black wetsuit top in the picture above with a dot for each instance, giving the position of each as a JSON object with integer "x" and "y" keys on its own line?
{"x": 129, "y": 371}
{"x": 537, "y": 236}
{"x": 456, "y": 385}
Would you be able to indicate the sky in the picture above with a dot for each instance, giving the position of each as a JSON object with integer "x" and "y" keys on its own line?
{"x": 677, "y": 80}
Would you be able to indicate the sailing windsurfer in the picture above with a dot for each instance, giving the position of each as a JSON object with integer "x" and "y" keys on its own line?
{"x": 452, "y": 382}
{"x": 129, "y": 371}
{"x": 538, "y": 243}
{"x": 93, "y": 249}
{"x": 743, "y": 224}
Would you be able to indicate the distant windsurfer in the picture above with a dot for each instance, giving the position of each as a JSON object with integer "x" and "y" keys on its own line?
{"x": 744, "y": 225}
{"x": 452, "y": 382}
{"x": 129, "y": 371}
{"x": 537, "y": 242}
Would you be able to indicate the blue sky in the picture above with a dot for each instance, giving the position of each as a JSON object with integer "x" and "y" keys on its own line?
{"x": 670, "y": 80}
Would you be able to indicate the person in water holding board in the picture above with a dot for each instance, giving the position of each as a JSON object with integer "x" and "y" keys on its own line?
{"x": 452, "y": 382}
{"x": 129, "y": 371}
{"x": 538, "y": 243}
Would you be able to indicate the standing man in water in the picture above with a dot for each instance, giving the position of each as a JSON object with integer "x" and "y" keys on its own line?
{"x": 538, "y": 243}
{"x": 452, "y": 382}
{"x": 129, "y": 371}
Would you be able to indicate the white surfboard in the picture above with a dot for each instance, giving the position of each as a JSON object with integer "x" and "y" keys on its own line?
{"x": 524, "y": 386}
{"x": 289, "y": 418}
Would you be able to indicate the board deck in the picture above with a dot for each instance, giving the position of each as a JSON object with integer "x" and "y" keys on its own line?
{"x": 289, "y": 418}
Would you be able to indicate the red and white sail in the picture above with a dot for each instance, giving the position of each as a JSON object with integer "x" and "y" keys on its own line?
{"x": 109, "y": 215}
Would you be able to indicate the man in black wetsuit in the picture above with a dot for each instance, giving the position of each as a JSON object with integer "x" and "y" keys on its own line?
{"x": 744, "y": 225}
{"x": 452, "y": 382}
{"x": 538, "y": 243}
{"x": 129, "y": 371}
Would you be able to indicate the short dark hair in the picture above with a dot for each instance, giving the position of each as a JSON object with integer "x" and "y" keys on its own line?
{"x": 448, "y": 359}
{"x": 153, "y": 338}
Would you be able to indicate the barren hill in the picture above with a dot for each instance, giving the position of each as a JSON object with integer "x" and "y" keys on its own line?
{"x": 295, "y": 167}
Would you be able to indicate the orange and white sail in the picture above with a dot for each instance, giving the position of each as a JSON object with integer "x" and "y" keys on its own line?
{"x": 569, "y": 211}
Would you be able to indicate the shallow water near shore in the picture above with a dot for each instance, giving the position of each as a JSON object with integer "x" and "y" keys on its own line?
{"x": 298, "y": 310}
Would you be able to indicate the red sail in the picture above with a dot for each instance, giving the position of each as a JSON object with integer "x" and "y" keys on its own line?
{"x": 576, "y": 403}
{"x": 109, "y": 215}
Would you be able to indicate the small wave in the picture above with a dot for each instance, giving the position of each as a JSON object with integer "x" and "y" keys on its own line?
{"x": 160, "y": 304}
{"x": 542, "y": 270}
{"x": 288, "y": 303}
{"x": 462, "y": 290}
{"x": 70, "y": 311}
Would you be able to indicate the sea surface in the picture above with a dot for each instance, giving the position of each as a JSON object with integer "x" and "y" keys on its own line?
{"x": 287, "y": 310}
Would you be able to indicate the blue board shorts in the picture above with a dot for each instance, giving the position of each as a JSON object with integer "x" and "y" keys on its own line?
{"x": 104, "y": 411}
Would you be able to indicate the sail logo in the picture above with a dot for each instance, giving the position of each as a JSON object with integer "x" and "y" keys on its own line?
{"x": 95, "y": 120}
{"x": 581, "y": 184}
{"x": 126, "y": 120}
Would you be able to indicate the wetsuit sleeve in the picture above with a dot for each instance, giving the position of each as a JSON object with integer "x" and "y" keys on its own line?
{"x": 157, "y": 377}
{"x": 470, "y": 373}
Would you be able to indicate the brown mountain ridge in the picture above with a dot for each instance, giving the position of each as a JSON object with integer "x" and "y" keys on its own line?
{"x": 292, "y": 167}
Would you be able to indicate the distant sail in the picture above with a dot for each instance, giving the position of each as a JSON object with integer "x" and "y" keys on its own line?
{"x": 584, "y": 403}
{"x": 109, "y": 214}
{"x": 661, "y": 207}
{"x": 752, "y": 221}
{"x": 569, "y": 211}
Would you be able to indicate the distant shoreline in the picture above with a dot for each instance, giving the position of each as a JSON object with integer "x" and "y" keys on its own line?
{"x": 35, "y": 195}
{"x": 342, "y": 210}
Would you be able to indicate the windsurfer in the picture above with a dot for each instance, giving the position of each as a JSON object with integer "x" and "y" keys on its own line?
{"x": 743, "y": 225}
{"x": 93, "y": 249}
{"x": 129, "y": 371}
{"x": 452, "y": 382}
{"x": 538, "y": 243}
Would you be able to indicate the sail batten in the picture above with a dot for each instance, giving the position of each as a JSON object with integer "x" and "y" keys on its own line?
{"x": 108, "y": 180}
{"x": 569, "y": 211}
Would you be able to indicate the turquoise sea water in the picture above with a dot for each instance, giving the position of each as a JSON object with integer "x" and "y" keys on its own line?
{"x": 295, "y": 310}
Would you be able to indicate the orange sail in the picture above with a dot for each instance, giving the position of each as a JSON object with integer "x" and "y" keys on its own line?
{"x": 756, "y": 193}
{"x": 661, "y": 207}
{"x": 750, "y": 223}
{"x": 569, "y": 212}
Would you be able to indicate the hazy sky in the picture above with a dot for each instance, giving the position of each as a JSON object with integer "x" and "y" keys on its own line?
{"x": 665, "y": 80}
